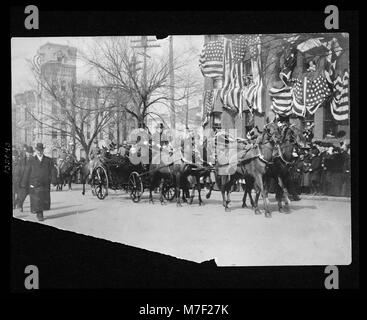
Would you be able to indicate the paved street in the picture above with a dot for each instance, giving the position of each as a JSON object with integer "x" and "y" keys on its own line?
{"x": 317, "y": 232}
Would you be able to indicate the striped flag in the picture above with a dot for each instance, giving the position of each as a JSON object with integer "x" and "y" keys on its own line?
{"x": 340, "y": 98}
{"x": 255, "y": 89}
{"x": 234, "y": 73}
{"x": 310, "y": 94}
{"x": 209, "y": 100}
{"x": 334, "y": 51}
{"x": 211, "y": 59}
{"x": 281, "y": 100}
{"x": 236, "y": 95}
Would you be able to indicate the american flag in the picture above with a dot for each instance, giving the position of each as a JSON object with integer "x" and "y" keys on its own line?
{"x": 340, "y": 98}
{"x": 236, "y": 96}
{"x": 233, "y": 73}
{"x": 211, "y": 59}
{"x": 255, "y": 90}
{"x": 281, "y": 100}
{"x": 334, "y": 51}
{"x": 209, "y": 98}
{"x": 310, "y": 94}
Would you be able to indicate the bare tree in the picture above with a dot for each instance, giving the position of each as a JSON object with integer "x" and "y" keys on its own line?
{"x": 116, "y": 64}
{"x": 80, "y": 111}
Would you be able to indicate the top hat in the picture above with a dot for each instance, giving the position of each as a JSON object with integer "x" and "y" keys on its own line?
{"x": 29, "y": 149}
{"x": 40, "y": 146}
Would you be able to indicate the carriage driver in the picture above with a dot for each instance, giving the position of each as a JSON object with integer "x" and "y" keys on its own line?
{"x": 94, "y": 155}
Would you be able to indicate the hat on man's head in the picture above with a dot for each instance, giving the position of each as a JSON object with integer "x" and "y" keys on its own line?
{"x": 40, "y": 146}
{"x": 30, "y": 149}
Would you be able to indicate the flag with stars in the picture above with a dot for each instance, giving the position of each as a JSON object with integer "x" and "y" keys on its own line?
{"x": 334, "y": 51}
{"x": 340, "y": 97}
{"x": 211, "y": 59}
{"x": 234, "y": 92}
{"x": 310, "y": 94}
{"x": 209, "y": 99}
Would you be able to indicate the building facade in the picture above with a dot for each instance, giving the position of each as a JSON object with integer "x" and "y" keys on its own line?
{"x": 58, "y": 96}
{"x": 326, "y": 127}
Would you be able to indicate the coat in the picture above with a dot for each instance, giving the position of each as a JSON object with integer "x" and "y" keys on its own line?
{"x": 38, "y": 177}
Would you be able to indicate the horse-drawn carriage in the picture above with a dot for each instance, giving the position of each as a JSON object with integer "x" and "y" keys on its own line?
{"x": 116, "y": 172}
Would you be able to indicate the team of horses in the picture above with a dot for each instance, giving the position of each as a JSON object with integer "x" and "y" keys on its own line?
{"x": 266, "y": 159}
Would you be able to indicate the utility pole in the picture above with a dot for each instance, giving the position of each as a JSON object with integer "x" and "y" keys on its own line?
{"x": 187, "y": 106}
{"x": 144, "y": 43}
{"x": 172, "y": 84}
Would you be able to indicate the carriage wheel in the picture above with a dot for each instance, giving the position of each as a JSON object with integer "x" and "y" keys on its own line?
{"x": 169, "y": 192}
{"x": 135, "y": 186}
{"x": 100, "y": 183}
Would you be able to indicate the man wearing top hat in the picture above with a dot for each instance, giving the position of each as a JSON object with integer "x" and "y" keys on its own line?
{"x": 38, "y": 178}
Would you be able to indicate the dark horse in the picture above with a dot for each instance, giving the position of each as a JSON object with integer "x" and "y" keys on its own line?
{"x": 280, "y": 170}
{"x": 254, "y": 163}
{"x": 66, "y": 172}
{"x": 174, "y": 172}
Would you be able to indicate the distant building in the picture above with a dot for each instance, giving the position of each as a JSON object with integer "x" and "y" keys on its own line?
{"x": 57, "y": 67}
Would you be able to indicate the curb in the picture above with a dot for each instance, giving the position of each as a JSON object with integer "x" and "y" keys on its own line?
{"x": 325, "y": 198}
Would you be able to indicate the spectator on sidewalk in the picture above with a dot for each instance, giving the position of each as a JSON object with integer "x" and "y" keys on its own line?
{"x": 23, "y": 186}
{"x": 38, "y": 177}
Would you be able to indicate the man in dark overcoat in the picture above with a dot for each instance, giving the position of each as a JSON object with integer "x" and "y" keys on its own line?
{"x": 15, "y": 177}
{"x": 38, "y": 177}
{"x": 23, "y": 187}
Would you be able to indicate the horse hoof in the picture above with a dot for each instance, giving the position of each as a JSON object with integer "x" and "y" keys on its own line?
{"x": 281, "y": 210}
{"x": 267, "y": 215}
{"x": 227, "y": 209}
{"x": 163, "y": 203}
{"x": 201, "y": 203}
{"x": 257, "y": 211}
{"x": 244, "y": 205}
{"x": 207, "y": 196}
{"x": 178, "y": 205}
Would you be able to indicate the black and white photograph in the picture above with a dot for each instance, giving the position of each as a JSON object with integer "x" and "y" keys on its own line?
{"x": 231, "y": 148}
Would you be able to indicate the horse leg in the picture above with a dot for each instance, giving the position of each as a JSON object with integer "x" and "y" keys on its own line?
{"x": 249, "y": 187}
{"x": 278, "y": 197}
{"x": 244, "y": 198}
{"x": 228, "y": 199}
{"x": 259, "y": 182}
{"x": 178, "y": 190}
{"x": 199, "y": 190}
{"x": 151, "y": 188}
{"x": 255, "y": 206}
{"x": 286, "y": 195}
{"x": 161, "y": 192}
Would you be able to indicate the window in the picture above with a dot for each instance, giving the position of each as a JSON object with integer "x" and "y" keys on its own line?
{"x": 330, "y": 125}
{"x": 88, "y": 131}
{"x": 63, "y": 131}
{"x": 217, "y": 116}
{"x": 54, "y": 134}
{"x": 309, "y": 119}
{"x": 54, "y": 108}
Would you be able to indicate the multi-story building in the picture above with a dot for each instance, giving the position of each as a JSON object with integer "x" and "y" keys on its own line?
{"x": 221, "y": 117}
{"x": 58, "y": 94}
{"x": 24, "y": 127}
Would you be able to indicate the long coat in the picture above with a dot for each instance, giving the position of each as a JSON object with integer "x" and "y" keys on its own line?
{"x": 38, "y": 178}
{"x": 23, "y": 187}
